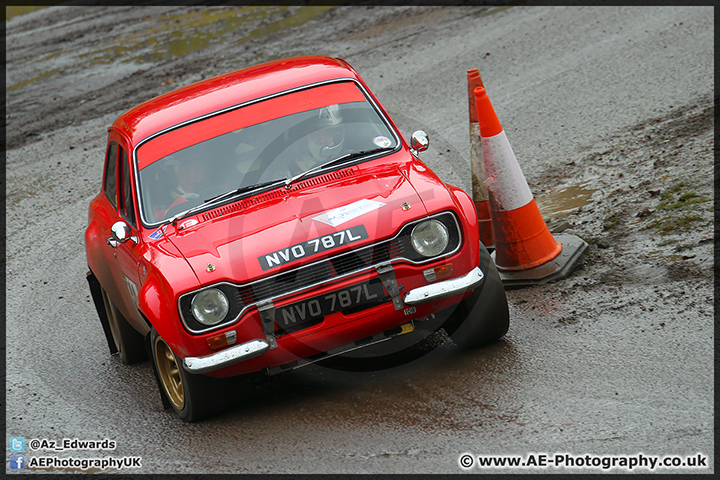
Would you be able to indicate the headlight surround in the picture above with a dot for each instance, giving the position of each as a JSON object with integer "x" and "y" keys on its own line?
{"x": 210, "y": 306}
{"x": 429, "y": 238}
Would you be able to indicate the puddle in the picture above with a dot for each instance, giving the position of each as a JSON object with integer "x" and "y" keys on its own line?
{"x": 173, "y": 36}
{"x": 564, "y": 201}
{"x": 302, "y": 15}
{"x": 31, "y": 80}
{"x": 495, "y": 10}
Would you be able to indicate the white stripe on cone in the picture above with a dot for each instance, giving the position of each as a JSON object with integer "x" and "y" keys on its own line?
{"x": 477, "y": 164}
{"x": 505, "y": 181}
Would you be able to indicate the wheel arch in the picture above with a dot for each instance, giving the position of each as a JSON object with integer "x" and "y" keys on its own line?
{"x": 469, "y": 221}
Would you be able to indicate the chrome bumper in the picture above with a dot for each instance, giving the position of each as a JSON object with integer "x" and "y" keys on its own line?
{"x": 256, "y": 347}
{"x": 448, "y": 288}
{"x": 226, "y": 357}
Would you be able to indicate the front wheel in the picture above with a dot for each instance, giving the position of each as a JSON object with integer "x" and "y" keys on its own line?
{"x": 188, "y": 394}
{"x": 483, "y": 317}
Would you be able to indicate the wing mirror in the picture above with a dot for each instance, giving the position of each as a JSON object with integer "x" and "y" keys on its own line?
{"x": 419, "y": 142}
{"x": 120, "y": 233}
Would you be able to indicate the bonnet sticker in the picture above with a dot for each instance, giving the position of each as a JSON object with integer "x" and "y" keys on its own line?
{"x": 338, "y": 216}
{"x": 156, "y": 234}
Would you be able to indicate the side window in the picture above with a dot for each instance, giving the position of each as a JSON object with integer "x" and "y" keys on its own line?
{"x": 110, "y": 173}
{"x": 126, "y": 204}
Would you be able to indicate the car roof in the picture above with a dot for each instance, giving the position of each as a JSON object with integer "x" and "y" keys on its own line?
{"x": 223, "y": 91}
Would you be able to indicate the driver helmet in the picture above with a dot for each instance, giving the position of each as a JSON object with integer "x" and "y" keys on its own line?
{"x": 328, "y": 134}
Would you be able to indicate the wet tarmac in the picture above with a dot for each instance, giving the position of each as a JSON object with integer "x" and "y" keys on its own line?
{"x": 610, "y": 117}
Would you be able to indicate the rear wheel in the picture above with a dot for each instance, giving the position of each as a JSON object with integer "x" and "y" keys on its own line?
{"x": 191, "y": 396}
{"x": 129, "y": 344}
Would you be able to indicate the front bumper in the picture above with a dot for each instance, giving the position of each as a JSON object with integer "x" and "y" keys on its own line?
{"x": 448, "y": 288}
{"x": 227, "y": 357}
{"x": 253, "y": 348}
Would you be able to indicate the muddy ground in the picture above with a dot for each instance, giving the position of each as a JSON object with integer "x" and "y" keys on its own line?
{"x": 611, "y": 114}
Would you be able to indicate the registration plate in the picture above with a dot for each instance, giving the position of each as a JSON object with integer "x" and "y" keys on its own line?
{"x": 311, "y": 311}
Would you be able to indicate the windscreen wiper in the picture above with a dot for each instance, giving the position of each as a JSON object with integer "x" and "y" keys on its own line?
{"x": 243, "y": 189}
{"x": 222, "y": 196}
{"x": 344, "y": 158}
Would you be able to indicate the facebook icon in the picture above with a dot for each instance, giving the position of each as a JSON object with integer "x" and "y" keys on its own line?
{"x": 17, "y": 462}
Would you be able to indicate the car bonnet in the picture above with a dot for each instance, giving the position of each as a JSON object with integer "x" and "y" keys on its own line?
{"x": 280, "y": 229}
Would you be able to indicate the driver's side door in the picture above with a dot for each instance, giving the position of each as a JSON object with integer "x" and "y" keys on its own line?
{"x": 123, "y": 258}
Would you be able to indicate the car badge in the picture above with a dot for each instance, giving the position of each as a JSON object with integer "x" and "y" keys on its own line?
{"x": 210, "y": 267}
{"x": 406, "y": 206}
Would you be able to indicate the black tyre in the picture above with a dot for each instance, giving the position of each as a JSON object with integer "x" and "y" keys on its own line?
{"x": 191, "y": 396}
{"x": 483, "y": 317}
{"x": 128, "y": 342}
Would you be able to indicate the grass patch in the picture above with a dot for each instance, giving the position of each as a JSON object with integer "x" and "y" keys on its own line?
{"x": 683, "y": 247}
{"x": 669, "y": 225}
{"x": 679, "y": 186}
{"x": 674, "y": 199}
{"x": 611, "y": 221}
{"x": 692, "y": 200}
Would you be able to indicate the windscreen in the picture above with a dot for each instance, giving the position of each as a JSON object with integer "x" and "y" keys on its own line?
{"x": 273, "y": 139}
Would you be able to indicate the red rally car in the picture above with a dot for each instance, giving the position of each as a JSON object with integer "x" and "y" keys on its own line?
{"x": 272, "y": 217}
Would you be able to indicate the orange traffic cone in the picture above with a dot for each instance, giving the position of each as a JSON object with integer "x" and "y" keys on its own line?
{"x": 526, "y": 253}
{"x": 477, "y": 165}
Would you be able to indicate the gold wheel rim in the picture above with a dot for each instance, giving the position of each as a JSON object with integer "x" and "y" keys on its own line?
{"x": 169, "y": 372}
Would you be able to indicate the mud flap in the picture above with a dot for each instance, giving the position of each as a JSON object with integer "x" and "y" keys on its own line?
{"x": 96, "y": 293}
{"x": 163, "y": 396}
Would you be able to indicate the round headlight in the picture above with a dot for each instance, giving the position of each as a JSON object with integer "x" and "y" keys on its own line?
{"x": 210, "y": 306}
{"x": 429, "y": 238}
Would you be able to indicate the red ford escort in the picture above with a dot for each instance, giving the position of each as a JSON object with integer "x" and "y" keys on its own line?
{"x": 273, "y": 217}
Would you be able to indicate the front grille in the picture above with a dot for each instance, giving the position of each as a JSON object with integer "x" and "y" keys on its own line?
{"x": 325, "y": 270}
{"x": 322, "y": 271}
